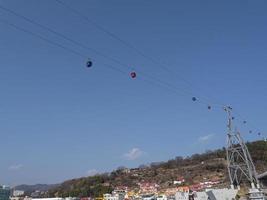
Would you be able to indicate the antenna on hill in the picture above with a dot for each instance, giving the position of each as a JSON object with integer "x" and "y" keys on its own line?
{"x": 239, "y": 162}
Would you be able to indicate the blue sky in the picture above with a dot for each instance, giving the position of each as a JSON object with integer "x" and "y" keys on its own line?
{"x": 59, "y": 119}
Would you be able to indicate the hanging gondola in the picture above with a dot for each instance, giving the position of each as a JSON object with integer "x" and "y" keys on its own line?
{"x": 133, "y": 74}
{"x": 89, "y": 63}
{"x": 209, "y": 107}
{"x": 194, "y": 98}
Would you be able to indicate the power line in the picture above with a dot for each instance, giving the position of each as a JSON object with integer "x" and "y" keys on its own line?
{"x": 160, "y": 83}
{"x": 97, "y": 52}
{"x": 42, "y": 38}
{"x": 129, "y": 45}
{"x": 150, "y": 79}
{"x": 244, "y": 121}
{"x": 60, "y": 35}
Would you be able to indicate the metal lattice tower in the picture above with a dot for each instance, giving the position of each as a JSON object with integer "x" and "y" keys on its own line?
{"x": 239, "y": 162}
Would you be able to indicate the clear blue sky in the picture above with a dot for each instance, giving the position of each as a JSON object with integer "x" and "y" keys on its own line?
{"x": 60, "y": 120}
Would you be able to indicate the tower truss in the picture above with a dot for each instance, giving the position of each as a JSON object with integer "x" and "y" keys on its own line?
{"x": 239, "y": 163}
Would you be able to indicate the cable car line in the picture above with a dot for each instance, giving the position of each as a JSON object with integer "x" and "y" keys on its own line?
{"x": 42, "y": 38}
{"x": 61, "y": 35}
{"x": 98, "y": 53}
{"x": 89, "y": 63}
{"x": 129, "y": 45}
{"x": 84, "y": 56}
{"x": 249, "y": 122}
{"x": 160, "y": 83}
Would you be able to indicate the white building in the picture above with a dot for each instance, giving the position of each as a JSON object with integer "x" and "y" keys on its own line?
{"x": 210, "y": 194}
{"x": 17, "y": 193}
{"x": 201, "y": 195}
{"x": 182, "y": 196}
{"x": 111, "y": 197}
{"x": 222, "y": 194}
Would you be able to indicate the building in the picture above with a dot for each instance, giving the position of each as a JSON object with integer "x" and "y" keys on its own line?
{"x": 111, "y": 197}
{"x": 118, "y": 194}
{"x": 182, "y": 196}
{"x": 210, "y": 194}
{"x": 179, "y": 181}
{"x": 18, "y": 193}
{"x": 148, "y": 188}
{"x": 149, "y": 197}
{"x": 16, "y": 198}
{"x": 4, "y": 193}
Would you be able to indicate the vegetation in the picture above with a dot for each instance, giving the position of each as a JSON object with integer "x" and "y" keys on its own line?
{"x": 210, "y": 165}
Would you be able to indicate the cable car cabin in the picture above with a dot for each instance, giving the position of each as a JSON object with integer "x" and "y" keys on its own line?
{"x": 89, "y": 63}
{"x": 133, "y": 75}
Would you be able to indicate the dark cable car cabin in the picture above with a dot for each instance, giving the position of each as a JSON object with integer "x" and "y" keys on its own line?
{"x": 133, "y": 75}
{"x": 89, "y": 63}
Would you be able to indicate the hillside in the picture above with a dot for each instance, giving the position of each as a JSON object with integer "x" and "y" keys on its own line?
{"x": 28, "y": 189}
{"x": 196, "y": 168}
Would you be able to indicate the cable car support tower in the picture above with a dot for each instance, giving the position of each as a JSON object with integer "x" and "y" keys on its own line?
{"x": 239, "y": 162}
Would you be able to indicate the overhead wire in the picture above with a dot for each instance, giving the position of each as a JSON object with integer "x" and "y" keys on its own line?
{"x": 60, "y": 35}
{"x": 130, "y": 46}
{"x": 41, "y": 37}
{"x": 244, "y": 121}
{"x": 158, "y": 81}
{"x": 134, "y": 48}
{"x": 146, "y": 79}
{"x": 182, "y": 90}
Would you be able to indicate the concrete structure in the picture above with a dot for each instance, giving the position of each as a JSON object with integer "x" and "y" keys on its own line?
{"x": 4, "y": 193}
{"x": 182, "y": 196}
{"x": 200, "y": 196}
{"x": 222, "y": 194}
{"x": 256, "y": 194}
{"x": 211, "y": 194}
